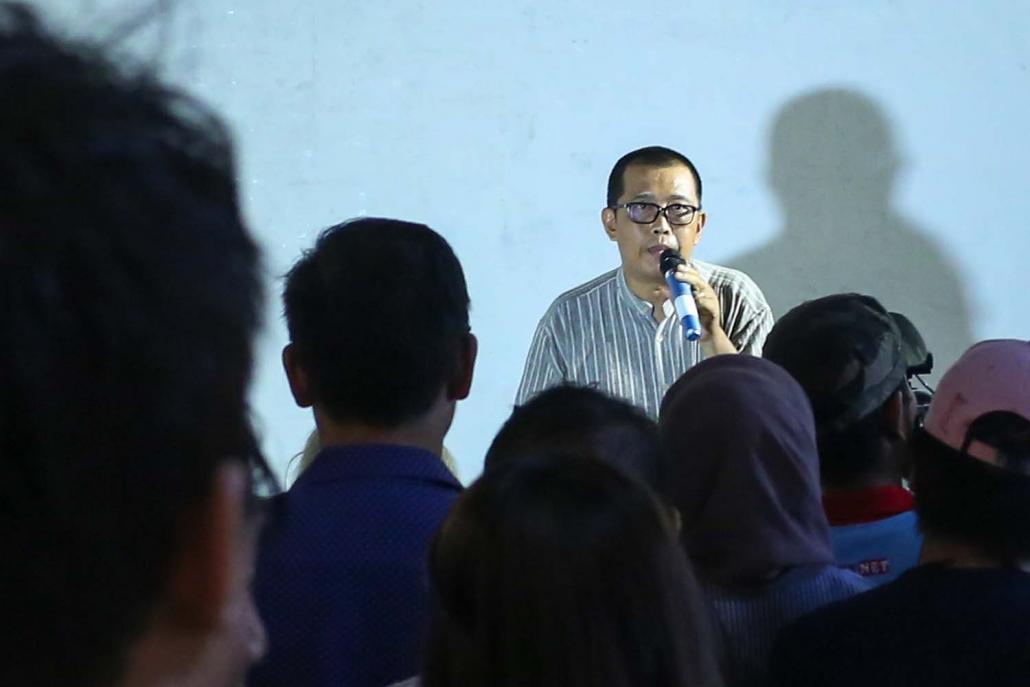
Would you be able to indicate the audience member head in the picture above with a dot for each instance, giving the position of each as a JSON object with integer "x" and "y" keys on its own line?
{"x": 378, "y": 318}
{"x": 584, "y": 421}
{"x": 848, "y": 354}
{"x": 740, "y": 464}
{"x": 555, "y": 569}
{"x": 972, "y": 458}
{"x": 128, "y": 300}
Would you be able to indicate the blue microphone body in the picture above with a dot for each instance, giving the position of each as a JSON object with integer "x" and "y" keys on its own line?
{"x": 682, "y": 296}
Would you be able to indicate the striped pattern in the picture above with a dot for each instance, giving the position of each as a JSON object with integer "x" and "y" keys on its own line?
{"x": 600, "y": 334}
{"x": 749, "y": 621}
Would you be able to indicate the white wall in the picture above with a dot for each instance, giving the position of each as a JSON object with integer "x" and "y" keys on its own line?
{"x": 876, "y": 146}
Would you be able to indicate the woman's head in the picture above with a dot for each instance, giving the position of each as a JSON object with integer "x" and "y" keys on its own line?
{"x": 742, "y": 468}
{"x": 583, "y": 420}
{"x": 558, "y": 570}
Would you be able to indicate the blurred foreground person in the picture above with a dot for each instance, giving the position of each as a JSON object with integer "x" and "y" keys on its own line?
{"x": 128, "y": 300}
{"x": 555, "y": 570}
{"x": 581, "y": 420}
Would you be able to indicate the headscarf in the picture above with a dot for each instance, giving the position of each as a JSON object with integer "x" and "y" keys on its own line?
{"x": 742, "y": 468}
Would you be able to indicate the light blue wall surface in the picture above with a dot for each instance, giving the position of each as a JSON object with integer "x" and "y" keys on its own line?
{"x": 875, "y": 146}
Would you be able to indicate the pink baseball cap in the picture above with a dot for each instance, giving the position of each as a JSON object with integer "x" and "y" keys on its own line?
{"x": 991, "y": 376}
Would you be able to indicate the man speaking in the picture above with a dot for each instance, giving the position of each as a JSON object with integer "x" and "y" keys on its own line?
{"x": 619, "y": 331}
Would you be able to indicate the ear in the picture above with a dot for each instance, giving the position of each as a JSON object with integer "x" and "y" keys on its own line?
{"x": 895, "y": 417}
{"x": 702, "y": 217}
{"x": 675, "y": 519}
{"x": 608, "y": 221}
{"x": 297, "y": 376}
{"x": 202, "y": 569}
{"x": 461, "y": 385}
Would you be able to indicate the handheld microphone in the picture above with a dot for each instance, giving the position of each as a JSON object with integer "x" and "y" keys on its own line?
{"x": 682, "y": 296}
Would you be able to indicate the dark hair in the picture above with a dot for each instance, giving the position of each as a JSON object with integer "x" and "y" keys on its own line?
{"x": 652, "y": 156}
{"x": 582, "y": 420}
{"x": 129, "y": 294}
{"x": 851, "y": 453}
{"x": 969, "y": 500}
{"x": 377, "y": 311}
{"x": 555, "y": 569}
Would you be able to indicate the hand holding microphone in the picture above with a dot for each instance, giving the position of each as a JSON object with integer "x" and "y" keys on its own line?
{"x": 682, "y": 297}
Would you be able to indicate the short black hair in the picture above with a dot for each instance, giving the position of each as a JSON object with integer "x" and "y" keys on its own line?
{"x": 129, "y": 294}
{"x": 651, "y": 156}
{"x": 581, "y": 419}
{"x": 971, "y": 501}
{"x": 377, "y": 312}
{"x": 555, "y": 569}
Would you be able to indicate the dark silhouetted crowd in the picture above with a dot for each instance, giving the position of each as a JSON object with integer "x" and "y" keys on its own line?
{"x": 781, "y": 502}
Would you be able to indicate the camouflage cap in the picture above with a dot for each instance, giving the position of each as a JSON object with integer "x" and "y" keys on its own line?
{"x": 847, "y": 352}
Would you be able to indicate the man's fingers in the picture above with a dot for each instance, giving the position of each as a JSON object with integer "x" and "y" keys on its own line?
{"x": 688, "y": 275}
{"x": 704, "y": 295}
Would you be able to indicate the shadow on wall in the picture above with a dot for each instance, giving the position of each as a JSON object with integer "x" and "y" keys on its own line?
{"x": 832, "y": 166}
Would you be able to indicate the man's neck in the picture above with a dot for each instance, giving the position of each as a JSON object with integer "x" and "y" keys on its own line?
{"x": 425, "y": 432}
{"x": 882, "y": 470}
{"x": 350, "y": 435}
{"x": 653, "y": 292}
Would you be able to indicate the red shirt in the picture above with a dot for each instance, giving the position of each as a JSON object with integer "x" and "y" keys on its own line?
{"x": 865, "y": 505}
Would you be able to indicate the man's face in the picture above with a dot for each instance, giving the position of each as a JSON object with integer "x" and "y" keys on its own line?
{"x": 237, "y": 638}
{"x": 640, "y": 245}
{"x": 240, "y": 639}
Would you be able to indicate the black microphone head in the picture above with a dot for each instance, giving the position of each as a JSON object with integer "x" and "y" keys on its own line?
{"x": 669, "y": 260}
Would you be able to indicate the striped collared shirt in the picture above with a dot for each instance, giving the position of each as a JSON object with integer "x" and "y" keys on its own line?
{"x": 601, "y": 334}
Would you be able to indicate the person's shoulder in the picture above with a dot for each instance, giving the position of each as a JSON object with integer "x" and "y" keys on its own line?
{"x": 721, "y": 275}
{"x": 846, "y": 579}
{"x": 735, "y": 285}
{"x": 410, "y": 682}
{"x": 583, "y": 291}
{"x": 816, "y": 585}
{"x": 862, "y": 597}
{"x": 836, "y": 615}
{"x": 1005, "y": 590}
{"x": 601, "y": 281}
{"x": 812, "y": 648}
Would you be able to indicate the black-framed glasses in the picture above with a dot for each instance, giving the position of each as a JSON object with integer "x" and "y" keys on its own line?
{"x": 646, "y": 213}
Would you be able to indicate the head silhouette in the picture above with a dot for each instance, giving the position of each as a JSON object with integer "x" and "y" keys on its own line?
{"x": 831, "y": 150}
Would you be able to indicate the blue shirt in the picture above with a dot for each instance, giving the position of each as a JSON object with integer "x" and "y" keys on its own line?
{"x": 341, "y": 575}
{"x": 880, "y": 550}
{"x": 749, "y": 620}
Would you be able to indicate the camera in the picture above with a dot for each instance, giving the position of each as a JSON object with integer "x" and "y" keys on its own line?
{"x": 920, "y": 389}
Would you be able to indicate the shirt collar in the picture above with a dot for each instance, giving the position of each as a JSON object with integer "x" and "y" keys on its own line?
{"x": 631, "y": 299}
{"x": 865, "y": 505}
{"x": 335, "y": 463}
